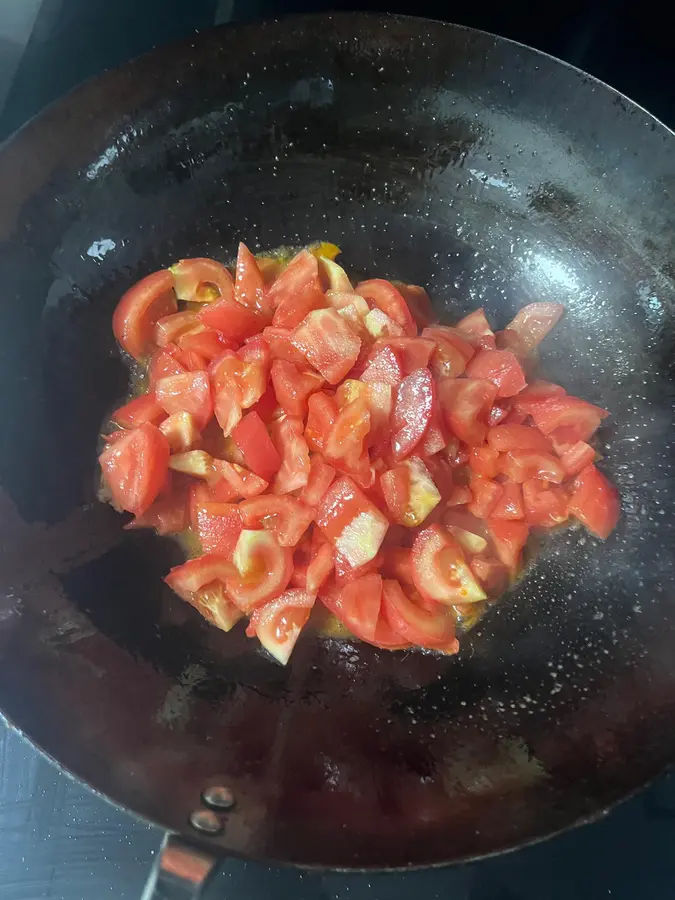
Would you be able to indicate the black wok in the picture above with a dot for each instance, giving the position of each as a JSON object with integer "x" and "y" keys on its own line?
{"x": 493, "y": 175}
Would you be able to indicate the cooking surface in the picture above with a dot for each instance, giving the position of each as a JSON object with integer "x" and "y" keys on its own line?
{"x": 59, "y": 840}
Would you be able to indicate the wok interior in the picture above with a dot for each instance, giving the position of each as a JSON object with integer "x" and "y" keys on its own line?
{"x": 491, "y": 175}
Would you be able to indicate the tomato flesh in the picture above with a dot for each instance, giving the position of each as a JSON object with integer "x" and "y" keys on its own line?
{"x": 135, "y": 468}
{"x": 595, "y": 502}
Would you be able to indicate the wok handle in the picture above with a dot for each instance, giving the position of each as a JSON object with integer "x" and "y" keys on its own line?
{"x": 179, "y": 872}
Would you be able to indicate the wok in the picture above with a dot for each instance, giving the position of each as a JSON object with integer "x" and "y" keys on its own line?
{"x": 493, "y": 175}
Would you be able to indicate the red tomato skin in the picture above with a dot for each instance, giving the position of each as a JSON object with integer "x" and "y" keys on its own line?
{"x": 232, "y": 320}
{"x": 510, "y": 504}
{"x": 501, "y": 368}
{"x": 577, "y": 457}
{"x": 509, "y": 539}
{"x": 357, "y": 605}
{"x": 518, "y": 465}
{"x": 452, "y": 352}
{"x": 259, "y": 453}
{"x": 518, "y": 437}
{"x": 249, "y": 285}
{"x": 484, "y": 496}
{"x": 475, "y": 328}
{"x": 169, "y": 328}
{"x": 341, "y": 504}
{"x": 417, "y": 625}
{"x": 580, "y": 418}
{"x": 484, "y": 461}
{"x": 287, "y": 437}
{"x": 319, "y": 568}
{"x": 545, "y": 505}
{"x": 287, "y": 518}
{"x": 190, "y": 392}
{"x": 141, "y": 409}
{"x": 297, "y": 291}
{"x": 466, "y": 403}
{"x": 272, "y": 574}
{"x": 533, "y": 322}
{"x": 418, "y": 302}
{"x": 293, "y": 386}
{"x": 194, "y": 574}
{"x": 414, "y": 353}
{"x": 135, "y": 468}
{"x": 321, "y": 476}
{"x": 218, "y": 526}
{"x": 383, "y": 295}
{"x": 141, "y": 306}
{"x": 194, "y": 280}
{"x": 209, "y": 344}
{"x": 328, "y": 343}
{"x": 595, "y": 502}
{"x": 322, "y": 413}
{"x": 413, "y": 408}
{"x": 383, "y": 365}
{"x": 168, "y": 514}
{"x": 164, "y": 362}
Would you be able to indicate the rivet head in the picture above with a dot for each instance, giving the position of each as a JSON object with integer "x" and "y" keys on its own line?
{"x": 206, "y": 821}
{"x": 218, "y": 797}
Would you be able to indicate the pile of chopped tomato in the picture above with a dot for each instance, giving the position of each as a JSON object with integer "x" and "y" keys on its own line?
{"x": 330, "y": 443}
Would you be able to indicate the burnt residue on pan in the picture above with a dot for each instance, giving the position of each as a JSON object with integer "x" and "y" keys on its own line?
{"x": 494, "y": 176}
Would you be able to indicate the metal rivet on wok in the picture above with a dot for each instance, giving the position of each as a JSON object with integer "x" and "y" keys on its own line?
{"x": 206, "y": 821}
{"x": 218, "y": 797}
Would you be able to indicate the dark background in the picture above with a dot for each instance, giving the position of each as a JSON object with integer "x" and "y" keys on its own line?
{"x": 58, "y": 840}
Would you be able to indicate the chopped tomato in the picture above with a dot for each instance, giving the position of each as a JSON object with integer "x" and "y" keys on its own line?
{"x": 321, "y": 477}
{"x": 181, "y": 432}
{"x": 333, "y": 277}
{"x": 345, "y": 573}
{"x": 545, "y": 505}
{"x": 409, "y": 492}
{"x": 281, "y": 346}
{"x": 322, "y": 411}
{"x": 509, "y": 505}
{"x": 189, "y": 392}
{"x": 201, "y": 280}
{"x": 242, "y": 481}
{"x": 135, "y": 468}
{"x": 413, "y": 407}
{"x": 380, "y": 326}
{"x": 169, "y": 328}
{"x": 519, "y": 465}
{"x": 501, "y": 368}
{"x": 383, "y": 366}
{"x": 164, "y": 362}
{"x": 218, "y": 525}
{"x": 533, "y": 322}
{"x": 576, "y": 457}
{"x": 466, "y": 403}
{"x": 581, "y": 419}
{"x": 414, "y": 624}
{"x": 345, "y": 442}
{"x": 475, "y": 328}
{"x": 169, "y": 514}
{"x": 435, "y": 437}
{"x": 258, "y": 452}
{"x": 213, "y": 603}
{"x": 328, "y": 343}
{"x": 287, "y": 437}
{"x": 509, "y": 539}
{"x": 286, "y": 517}
{"x": 352, "y": 522}
{"x": 206, "y": 342}
{"x": 414, "y": 353}
{"x": 319, "y": 568}
{"x": 357, "y": 605}
{"x": 595, "y": 502}
{"x": 492, "y": 574}
{"x": 141, "y": 409}
{"x": 267, "y": 407}
{"x": 193, "y": 575}
{"x": 278, "y": 624}
{"x": 485, "y": 494}
{"x": 249, "y": 286}
{"x": 233, "y": 320}
{"x": 418, "y": 302}
{"x": 387, "y": 639}
{"x": 518, "y": 437}
{"x": 484, "y": 461}
{"x": 293, "y": 386}
{"x": 499, "y": 412}
{"x": 262, "y": 569}
{"x": 193, "y": 462}
{"x": 382, "y": 295}
{"x": 440, "y": 570}
{"x": 297, "y": 291}
{"x": 139, "y": 309}
{"x": 452, "y": 352}
{"x": 535, "y": 392}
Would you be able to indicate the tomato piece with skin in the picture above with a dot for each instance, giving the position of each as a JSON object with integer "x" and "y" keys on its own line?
{"x": 357, "y": 605}
{"x": 242, "y": 481}
{"x": 255, "y": 444}
{"x": 287, "y": 518}
{"x": 409, "y": 492}
{"x": 164, "y": 363}
{"x": 440, "y": 570}
{"x": 135, "y": 468}
{"x": 293, "y": 386}
{"x": 278, "y": 624}
{"x": 297, "y": 291}
{"x": 322, "y": 411}
{"x": 194, "y": 574}
{"x": 321, "y": 476}
{"x": 533, "y": 322}
{"x": 545, "y": 504}
{"x": 414, "y": 353}
{"x": 345, "y": 573}
{"x": 139, "y": 410}
{"x": 413, "y": 408}
{"x": 510, "y": 504}
{"x": 233, "y": 320}
{"x": 169, "y": 328}
{"x": 169, "y": 514}
{"x": 576, "y": 457}
{"x": 452, "y": 353}
{"x": 418, "y": 302}
{"x": 345, "y": 442}
{"x": 383, "y": 366}
{"x": 249, "y": 284}
{"x": 135, "y": 316}
{"x": 328, "y": 343}
{"x": 287, "y": 437}
{"x": 189, "y": 392}
{"x": 351, "y": 522}
{"x": 267, "y": 407}
{"x": 380, "y": 327}
{"x": 181, "y": 432}
{"x": 503, "y": 438}
{"x": 519, "y": 465}
{"x": 484, "y": 461}
{"x": 201, "y": 280}
{"x": 501, "y": 368}
{"x": 508, "y": 538}
{"x": 492, "y": 574}
{"x": 281, "y": 347}
{"x": 475, "y": 328}
{"x": 382, "y": 295}
{"x": 580, "y": 418}
{"x": 466, "y": 403}
{"x": 434, "y": 630}
{"x": 595, "y": 502}
{"x": 207, "y": 343}
{"x": 217, "y": 525}
{"x": 319, "y": 568}
{"x": 262, "y": 569}
{"x": 485, "y": 494}
{"x": 212, "y": 602}
{"x": 436, "y": 437}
